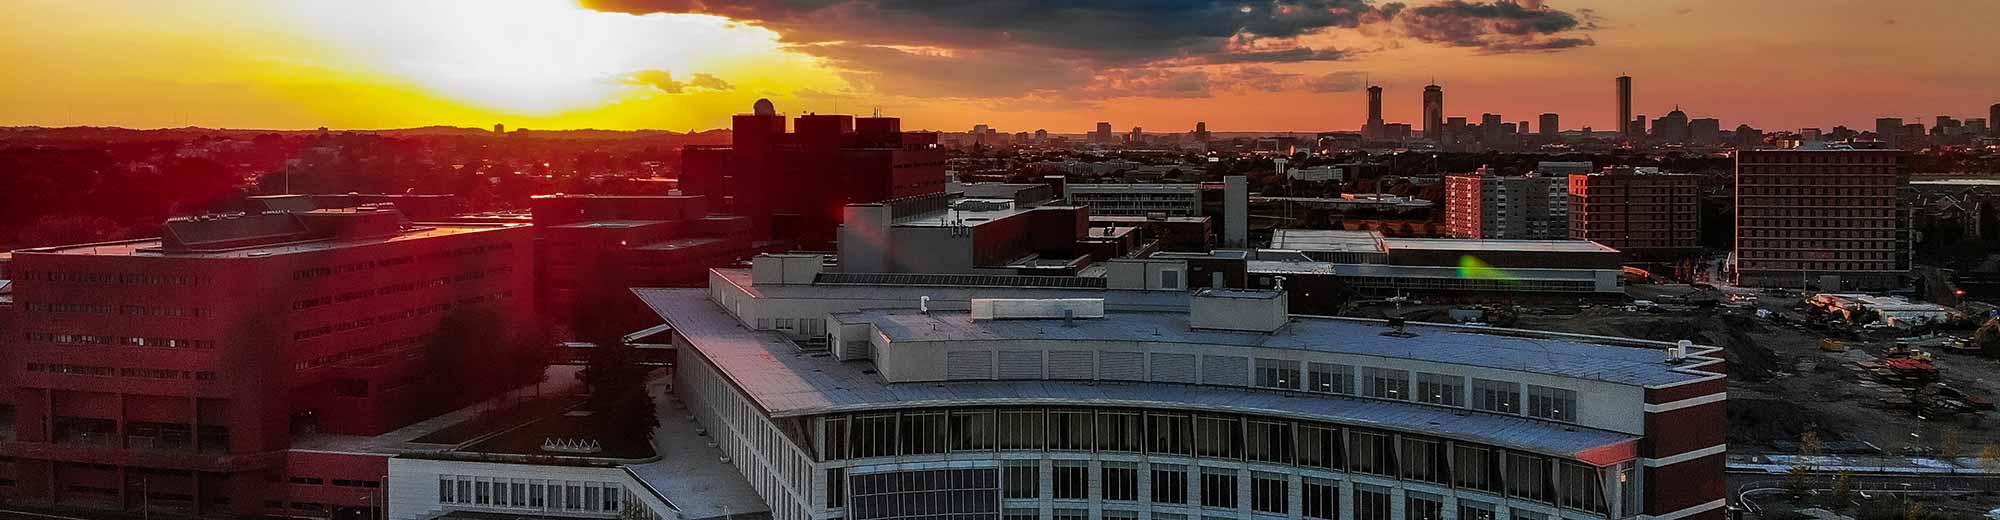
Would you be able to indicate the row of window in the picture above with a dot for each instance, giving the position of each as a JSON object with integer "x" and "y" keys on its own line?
{"x": 1439, "y": 389}
{"x": 316, "y": 272}
{"x": 317, "y": 481}
{"x": 329, "y": 359}
{"x": 144, "y": 373}
{"x": 1249, "y": 438}
{"x": 404, "y": 314}
{"x": 112, "y": 278}
{"x": 540, "y": 495}
{"x": 57, "y": 338}
{"x": 399, "y": 288}
{"x": 126, "y": 310}
{"x": 959, "y": 493}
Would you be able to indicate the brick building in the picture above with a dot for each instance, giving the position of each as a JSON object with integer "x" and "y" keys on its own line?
{"x": 1641, "y": 213}
{"x": 1829, "y": 218}
{"x": 175, "y": 372}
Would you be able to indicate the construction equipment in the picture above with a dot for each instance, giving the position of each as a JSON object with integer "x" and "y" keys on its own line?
{"x": 1832, "y": 345}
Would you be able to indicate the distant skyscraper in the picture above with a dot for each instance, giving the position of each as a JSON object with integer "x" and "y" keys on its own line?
{"x": 1373, "y": 128}
{"x": 1672, "y": 128}
{"x": 1521, "y": 127}
{"x": 1490, "y": 131}
{"x": 1887, "y": 128}
{"x": 1993, "y": 120}
{"x": 1201, "y": 131}
{"x": 1625, "y": 106}
{"x": 1103, "y": 134}
{"x": 499, "y": 128}
{"x": 1434, "y": 112}
{"x": 1550, "y": 124}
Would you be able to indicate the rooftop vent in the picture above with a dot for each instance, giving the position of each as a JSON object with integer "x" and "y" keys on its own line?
{"x": 1678, "y": 353}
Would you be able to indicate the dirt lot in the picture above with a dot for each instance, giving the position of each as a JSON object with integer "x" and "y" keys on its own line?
{"x": 1781, "y": 383}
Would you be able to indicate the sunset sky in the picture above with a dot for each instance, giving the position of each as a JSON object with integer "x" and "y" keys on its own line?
{"x": 1018, "y": 65}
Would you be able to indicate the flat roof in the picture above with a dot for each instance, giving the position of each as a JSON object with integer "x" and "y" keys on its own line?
{"x": 907, "y": 295}
{"x": 1958, "y": 182}
{"x": 683, "y": 243}
{"x": 1144, "y": 219}
{"x": 1330, "y": 240}
{"x": 1453, "y": 272}
{"x": 1466, "y": 244}
{"x": 787, "y": 383}
{"x": 954, "y": 216}
{"x": 150, "y": 247}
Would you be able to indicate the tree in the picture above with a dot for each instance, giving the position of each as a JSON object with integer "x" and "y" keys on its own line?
{"x": 1989, "y": 457}
{"x": 617, "y": 383}
{"x": 1798, "y": 478}
{"x": 1949, "y": 446}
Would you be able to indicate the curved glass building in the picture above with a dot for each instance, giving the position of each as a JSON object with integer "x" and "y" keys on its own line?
{"x": 994, "y": 398}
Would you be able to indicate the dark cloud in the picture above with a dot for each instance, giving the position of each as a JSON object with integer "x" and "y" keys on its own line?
{"x": 1088, "y": 49}
{"x": 1106, "y": 31}
{"x": 664, "y": 81}
{"x": 1500, "y": 26}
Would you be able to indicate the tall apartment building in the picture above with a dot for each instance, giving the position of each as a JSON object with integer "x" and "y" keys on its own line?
{"x": 1831, "y": 219}
{"x": 1527, "y": 207}
{"x": 1643, "y": 213}
{"x": 1041, "y": 405}
{"x": 174, "y": 372}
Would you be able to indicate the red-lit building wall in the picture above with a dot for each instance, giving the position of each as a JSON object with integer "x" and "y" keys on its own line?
{"x": 188, "y": 375}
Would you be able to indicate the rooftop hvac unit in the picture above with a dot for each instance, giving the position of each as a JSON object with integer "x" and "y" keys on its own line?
{"x": 1026, "y": 309}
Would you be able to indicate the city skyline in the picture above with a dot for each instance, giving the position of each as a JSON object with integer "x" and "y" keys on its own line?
{"x": 1289, "y": 66}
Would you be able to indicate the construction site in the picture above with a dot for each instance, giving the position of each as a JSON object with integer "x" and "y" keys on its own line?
{"x": 1922, "y": 390}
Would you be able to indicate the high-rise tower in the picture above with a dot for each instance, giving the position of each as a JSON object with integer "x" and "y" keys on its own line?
{"x": 1373, "y": 129}
{"x": 1433, "y": 112}
{"x": 1625, "y": 106}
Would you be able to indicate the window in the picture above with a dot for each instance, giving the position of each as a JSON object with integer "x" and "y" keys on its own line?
{"x": 872, "y": 436}
{"x": 1320, "y": 498}
{"x": 445, "y": 494}
{"x": 1119, "y": 431}
{"x": 1021, "y": 513}
{"x": 1071, "y": 479}
{"x": 1021, "y": 430}
{"x": 1368, "y": 452}
{"x": 1278, "y": 373}
{"x": 1476, "y": 467}
{"x": 1628, "y": 490}
{"x": 1268, "y": 493}
{"x": 1120, "y": 480}
{"x": 1386, "y": 383}
{"x": 1579, "y": 487}
{"x": 1554, "y": 404}
{"x": 1527, "y": 476}
{"x": 1170, "y": 484}
{"x": 835, "y": 429}
{"x": 1330, "y": 378}
{"x": 1319, "y": 446}
{"x": 1070, "y": 431}
{"x": 971, "y": 431}
{"x": 836, "y": 487}
{"x": 1170, "y": 434}
{"x": 1422, "y": 506}
{"x": 1475, "y": 510}
{"x": 1070, "y": 514}
{"x": 1021, "y": 479}
{"x": 1218, "y": 488}
{"x": 1371, "y": 502}
{"x": 1441, "y": 389}
{"x": 923, "y": 433}
{"x": 1218, "y": 437}
{"x": 1423, "y": 459}
{"x": 1170, "y": 279}
{"x": 1496, "y": 396}
{"x": 1269, "y": 441}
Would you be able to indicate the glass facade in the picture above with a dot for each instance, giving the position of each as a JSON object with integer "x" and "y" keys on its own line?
{"x": 1260, "y": 446}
